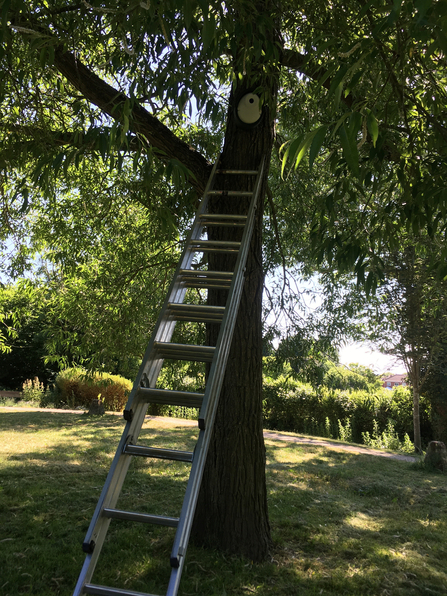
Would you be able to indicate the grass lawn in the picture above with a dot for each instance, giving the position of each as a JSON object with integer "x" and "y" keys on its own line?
{"x": 342, "y": 523}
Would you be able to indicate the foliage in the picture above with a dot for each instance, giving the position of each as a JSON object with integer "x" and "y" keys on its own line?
{"x": 101, "y": 274}
{"x": 75, "y": 387}
{"x": 345, "y": 431}
{"x": 377, "y": 129}
{"x": 353, "y": 377}
{"x": 24, "y": 323}
{"x": 388, "y": 439}
{"x": 435, "y": 390}
{"x": 292, "y": 406}
{"x": 33, "y": 390}
{"x": 407, "y": 316}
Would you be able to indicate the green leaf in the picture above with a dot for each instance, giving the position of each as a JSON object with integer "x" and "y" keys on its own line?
{"x": 304, "y": 146}
{"x": 317, "y": 142}
{"x": 370, "y": 283}
{"x": 291, "y": 150}
{"x": 5, "y": 9}
{"x": 373, "y": 127}
{"x": 25, "y": 195}
{"x": 338, "y": 80}
{"x": 189, "y": 12}
{"x": 422, "y": 7}
{"x": 58, "y": 161}
{"x": 365, "y": 8}
{"x": 337, "y": 97}
{"x": 355, "y": 123}
{"x": 340, "y": 122}
{"x": 208, "y": 31}
{"x": 350, "y": 151}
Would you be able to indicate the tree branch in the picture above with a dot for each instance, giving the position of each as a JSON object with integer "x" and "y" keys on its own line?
{"x": 52, "y": 139}
{"x": 141, "y": 122}
{"x": 300, "y": 62}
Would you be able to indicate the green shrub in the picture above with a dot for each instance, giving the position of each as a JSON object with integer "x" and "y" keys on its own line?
{"x": 296, "y": 407}
{"x": 388, "y": 439}
{"x": 345, "y": 430}
{"x": 74, "y": 387}
{"x": 33, "y": 390}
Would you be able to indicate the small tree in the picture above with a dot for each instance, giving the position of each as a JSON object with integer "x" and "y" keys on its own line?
{"x": 408, "y": 317}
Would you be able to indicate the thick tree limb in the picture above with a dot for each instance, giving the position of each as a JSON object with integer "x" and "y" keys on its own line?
{"x": 113, "y": 102}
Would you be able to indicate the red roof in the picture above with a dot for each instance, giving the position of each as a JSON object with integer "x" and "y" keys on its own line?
{"x": 396, "y": 378}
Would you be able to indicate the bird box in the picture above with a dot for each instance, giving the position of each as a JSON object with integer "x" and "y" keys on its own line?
{"x": 248, "y": 111}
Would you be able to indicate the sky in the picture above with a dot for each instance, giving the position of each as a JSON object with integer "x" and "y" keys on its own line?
{"x": 357, "y": 353}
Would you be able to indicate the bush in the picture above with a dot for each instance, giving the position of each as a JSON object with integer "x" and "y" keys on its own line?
{"x": 33, "y": 390}
{"x": 295, "y": 407}
{"x": 74, "y": 387}
{"x": 354, "y": 377}
{"x": 388, "y": 439}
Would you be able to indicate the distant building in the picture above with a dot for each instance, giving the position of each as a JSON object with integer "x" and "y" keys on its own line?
{"x": 395, "y": 381}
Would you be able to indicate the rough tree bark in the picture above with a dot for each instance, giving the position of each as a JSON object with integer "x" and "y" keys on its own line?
{"x": 417, "y": 420}
{"x": 232, "y": 509}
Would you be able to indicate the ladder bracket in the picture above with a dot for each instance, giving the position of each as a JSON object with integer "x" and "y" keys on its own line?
{"x": 88, "y": 547}
{"x": 128, "y": 415}
{"x": 128, "y": 442}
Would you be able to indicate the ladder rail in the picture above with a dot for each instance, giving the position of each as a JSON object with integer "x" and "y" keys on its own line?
{"x": 164, "y": 327}
{"x": 108, "y": 498}
{"x": 163, "y": 331}
{"x": 212, "y": 391}
{"x": 158, "y": 349}
{"x": 227, "y": 328}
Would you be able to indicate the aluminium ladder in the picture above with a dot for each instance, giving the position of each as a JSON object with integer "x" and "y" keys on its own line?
{"x": 188, "y": 275}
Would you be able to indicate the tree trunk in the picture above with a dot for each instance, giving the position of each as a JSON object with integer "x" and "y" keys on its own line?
{"x": 232, "y": 510}
{"x": 416, "y": 420}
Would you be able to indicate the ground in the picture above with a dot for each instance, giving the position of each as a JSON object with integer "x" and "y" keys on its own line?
{"x": 273, "y": 435}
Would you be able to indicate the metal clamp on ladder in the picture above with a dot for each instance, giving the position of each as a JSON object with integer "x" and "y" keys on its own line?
{"x": 145, "y": 389}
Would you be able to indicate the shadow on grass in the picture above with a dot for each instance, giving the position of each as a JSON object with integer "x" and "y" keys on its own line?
{"x": 341, "y": 523}
{"x": 359, "y": 524}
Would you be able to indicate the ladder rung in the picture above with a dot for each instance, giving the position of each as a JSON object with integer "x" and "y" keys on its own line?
{"x": 212, "y": 219}
{"x": 146, "y": 518}
{"x": 206, "y": 273}
{"x": 231, "y": 193}
{"x": 214, "y": 246}
{"x": 196, "y": 312}
{"x": 206, "y": 279}
{"x": 106, "y": 591}
{"x": 245, "y": 172}
{"x": 158, "y": 453}
{"x": 205, "y": 282}
{"x": 184, "y": 351}
{"x": 187, "y": 399}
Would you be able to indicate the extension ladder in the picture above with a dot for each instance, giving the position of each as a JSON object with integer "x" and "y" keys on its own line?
{"x": 188, "y": 275}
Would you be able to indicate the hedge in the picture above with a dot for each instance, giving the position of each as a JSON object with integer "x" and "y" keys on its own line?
{"x": 295, "y": 407}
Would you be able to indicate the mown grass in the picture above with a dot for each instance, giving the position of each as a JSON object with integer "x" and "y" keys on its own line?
{"x": 342, "y": 523}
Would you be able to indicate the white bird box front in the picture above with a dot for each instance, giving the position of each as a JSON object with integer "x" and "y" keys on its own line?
{"x": 248, "y": 112}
